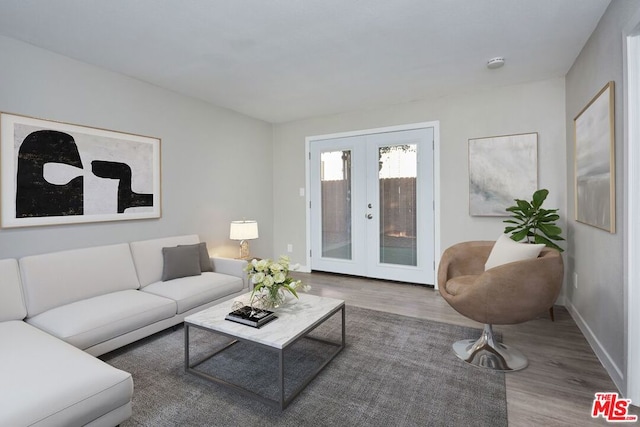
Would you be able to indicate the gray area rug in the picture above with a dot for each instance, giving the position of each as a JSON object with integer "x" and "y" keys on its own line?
{"x": 394, "y": 371}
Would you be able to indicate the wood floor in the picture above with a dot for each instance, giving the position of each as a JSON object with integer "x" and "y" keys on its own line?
{"x": 558, "y": 386}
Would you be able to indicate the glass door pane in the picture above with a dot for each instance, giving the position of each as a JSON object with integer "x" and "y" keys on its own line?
{"x": 397, "y": 175}
{"x": 335, "y": 182}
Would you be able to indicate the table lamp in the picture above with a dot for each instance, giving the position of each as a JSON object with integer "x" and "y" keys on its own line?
{"x": 243, "y": 231}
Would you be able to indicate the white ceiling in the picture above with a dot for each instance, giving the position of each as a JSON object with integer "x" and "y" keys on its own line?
{"x": 282, "y": 60}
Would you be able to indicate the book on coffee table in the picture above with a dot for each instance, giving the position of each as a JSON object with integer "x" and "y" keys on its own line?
{"x": 251, "y": 316}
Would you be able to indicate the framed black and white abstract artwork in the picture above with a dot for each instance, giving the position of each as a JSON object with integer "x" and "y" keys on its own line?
{"x": 61, "y": 173}
{"x": 595, "y": 162}
{"x": 501, "y": 169}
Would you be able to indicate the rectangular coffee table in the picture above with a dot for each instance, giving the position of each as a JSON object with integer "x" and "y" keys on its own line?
{"x": 295, "y": 321}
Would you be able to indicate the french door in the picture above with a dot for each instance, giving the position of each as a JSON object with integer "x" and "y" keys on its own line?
{"x": 371, "y": 202}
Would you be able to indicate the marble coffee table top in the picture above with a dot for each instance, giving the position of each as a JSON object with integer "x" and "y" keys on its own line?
{"x": 295, "y": 318}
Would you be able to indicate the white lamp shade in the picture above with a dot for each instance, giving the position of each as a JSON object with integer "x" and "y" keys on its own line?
{"x": 243, "y": 230}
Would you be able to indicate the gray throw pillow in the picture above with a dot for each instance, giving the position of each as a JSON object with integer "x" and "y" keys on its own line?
{"x": 180, "y": 262}
{"x": 205, "y": 261}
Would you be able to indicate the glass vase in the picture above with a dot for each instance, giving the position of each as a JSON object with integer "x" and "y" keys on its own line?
{"x": 269, "y": 298}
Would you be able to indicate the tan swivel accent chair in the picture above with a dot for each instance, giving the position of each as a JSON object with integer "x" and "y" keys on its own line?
{"x": 507, "y": 294}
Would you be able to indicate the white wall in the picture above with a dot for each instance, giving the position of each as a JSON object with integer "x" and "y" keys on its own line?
{"x": 598, "y": 304}
{"x": 210, "y": 156}
{"x": 533, "y": 107}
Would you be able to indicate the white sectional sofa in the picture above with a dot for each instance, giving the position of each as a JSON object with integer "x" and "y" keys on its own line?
{"x": 58, "y": 310}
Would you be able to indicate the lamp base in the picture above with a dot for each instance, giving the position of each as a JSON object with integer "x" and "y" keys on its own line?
{"x": 244, "y": 250}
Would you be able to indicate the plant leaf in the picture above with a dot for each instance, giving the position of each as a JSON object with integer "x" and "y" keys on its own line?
{"x": 550, "y": 229}
{"x": 524, "y": 205}
{"x": 520, "y": 235}
{"x": 547, "y": 242}
{"x": 549, "y": 218}
{"x": 293, "y": 291}
{"x": 539, "y": 197}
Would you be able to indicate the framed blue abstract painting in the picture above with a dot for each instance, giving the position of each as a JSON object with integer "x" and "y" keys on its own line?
{"x": 501, "y": 169}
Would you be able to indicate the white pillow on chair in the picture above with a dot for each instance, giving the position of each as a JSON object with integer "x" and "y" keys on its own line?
{"x": 507, "y": 250}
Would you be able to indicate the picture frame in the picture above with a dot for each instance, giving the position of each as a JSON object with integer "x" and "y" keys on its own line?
{"x": 62, "y": 173}
{"x": 501, "y": 169}
{"x": 594, "y": 161}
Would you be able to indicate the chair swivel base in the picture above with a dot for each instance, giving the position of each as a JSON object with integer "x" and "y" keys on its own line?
{"x": 486, "y": 352}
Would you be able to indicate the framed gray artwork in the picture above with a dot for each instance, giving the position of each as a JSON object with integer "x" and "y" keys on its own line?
{"x": 61, "y": 173}
{"x": 594, "y": 156}
{"x": 501, "y": 169}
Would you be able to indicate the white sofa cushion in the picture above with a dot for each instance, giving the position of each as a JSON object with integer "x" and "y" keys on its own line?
{"x": 190, "y": 292}
{"x": 506, "y": 250}
{"x": 147, "y": 256}
{"x": 94, "y": 320}
{"x": 11, "y": 301}
{"x": 47, "y": 382}
{"x": 59, "y": 278}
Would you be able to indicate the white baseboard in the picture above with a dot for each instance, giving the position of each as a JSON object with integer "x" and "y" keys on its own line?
{"x": 609, "y": 365}
{"x": 304, "y": 269}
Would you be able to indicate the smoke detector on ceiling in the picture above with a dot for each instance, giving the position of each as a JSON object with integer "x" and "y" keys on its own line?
{"x": 494, "y": 63}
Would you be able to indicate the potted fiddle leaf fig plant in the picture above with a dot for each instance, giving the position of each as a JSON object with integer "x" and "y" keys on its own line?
{"x": 534, "y": 223}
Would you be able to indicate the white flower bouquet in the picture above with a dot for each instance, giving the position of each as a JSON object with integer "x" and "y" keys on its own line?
{"x": 270, "y": 279}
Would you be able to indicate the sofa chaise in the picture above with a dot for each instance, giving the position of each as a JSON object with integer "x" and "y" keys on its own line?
{"x": 59, "y": 310}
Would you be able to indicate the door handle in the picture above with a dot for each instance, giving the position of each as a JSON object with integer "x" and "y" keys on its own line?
{"x": 369, "y": 216}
